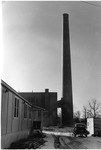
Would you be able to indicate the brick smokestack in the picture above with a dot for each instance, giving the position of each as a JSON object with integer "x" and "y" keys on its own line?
{"x": 67, "y": 103}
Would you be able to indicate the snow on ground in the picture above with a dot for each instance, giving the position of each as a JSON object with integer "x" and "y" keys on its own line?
{"x": 67, "y": 141}
{"x": 67, "y": 131}
{"x": 49, "y": 144}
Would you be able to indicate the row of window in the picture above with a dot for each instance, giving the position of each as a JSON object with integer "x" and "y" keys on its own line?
{"x": 16, "y": 109}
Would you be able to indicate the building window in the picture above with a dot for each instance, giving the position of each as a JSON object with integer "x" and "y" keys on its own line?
{"x": 30, "y": 113}
{"x": 16, "y": 108}
{"x": 25, "y": 111}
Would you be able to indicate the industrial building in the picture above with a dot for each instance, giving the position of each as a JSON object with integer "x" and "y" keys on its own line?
{"x": 46, "y": 100}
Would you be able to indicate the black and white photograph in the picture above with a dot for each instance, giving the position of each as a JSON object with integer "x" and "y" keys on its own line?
{"x": 50, "y": 62}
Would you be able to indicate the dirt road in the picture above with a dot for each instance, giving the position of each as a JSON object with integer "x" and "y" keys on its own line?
{"x": 64, "y": 142}
{"x": 58, "y": 139}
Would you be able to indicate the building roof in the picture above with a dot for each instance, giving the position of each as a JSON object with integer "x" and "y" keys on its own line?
{"x": 16, "y": 93}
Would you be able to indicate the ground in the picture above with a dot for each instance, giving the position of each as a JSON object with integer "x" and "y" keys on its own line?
{"x": 58, "y": 138}
{"x": 78, "y": 142}
{"x": 63, "y": 139}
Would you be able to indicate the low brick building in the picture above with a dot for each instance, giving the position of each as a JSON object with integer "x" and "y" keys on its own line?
{"x": 46, "y": 100}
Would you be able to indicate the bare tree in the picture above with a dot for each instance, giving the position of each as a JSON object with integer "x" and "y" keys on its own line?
{"x": 77, "y": 117}
{"x": 94, "y": 108}
{"x": 84, "y": 112}
{"x": 78, "y": 114}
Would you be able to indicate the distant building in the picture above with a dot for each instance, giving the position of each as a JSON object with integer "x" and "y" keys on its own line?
{"x": 94, "y": 126}
{"x": 46, "y": 100}
{"x": 17, "y": 115}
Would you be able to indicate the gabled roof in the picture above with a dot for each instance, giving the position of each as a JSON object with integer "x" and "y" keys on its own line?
{"x": 16, "y": 93}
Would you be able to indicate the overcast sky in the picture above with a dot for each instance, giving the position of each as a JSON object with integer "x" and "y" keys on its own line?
{"x": 33, "y": 45}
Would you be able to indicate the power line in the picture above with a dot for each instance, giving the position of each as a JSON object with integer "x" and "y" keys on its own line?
{"x": 91, "y": 4}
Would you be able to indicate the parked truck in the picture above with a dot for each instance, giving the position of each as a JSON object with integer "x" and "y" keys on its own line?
{"x": 94, "y": 126}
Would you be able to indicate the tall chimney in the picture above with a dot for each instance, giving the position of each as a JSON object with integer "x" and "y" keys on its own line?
{"x": 67, "y": 103}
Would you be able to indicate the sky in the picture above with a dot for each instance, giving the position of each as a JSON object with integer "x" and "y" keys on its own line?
{"x": 33, "y": 45}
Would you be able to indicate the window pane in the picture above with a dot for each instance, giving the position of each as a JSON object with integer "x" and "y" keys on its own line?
{"x": 16, "y": 107}
{"x": 14, "y": 112}
{"x": 15, "y": 102}
{"x": 25, "y": 111}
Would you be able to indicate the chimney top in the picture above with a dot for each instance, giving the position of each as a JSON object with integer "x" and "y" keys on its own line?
{"x": 65, "y": 14}
{"x": 46, "y": 90}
